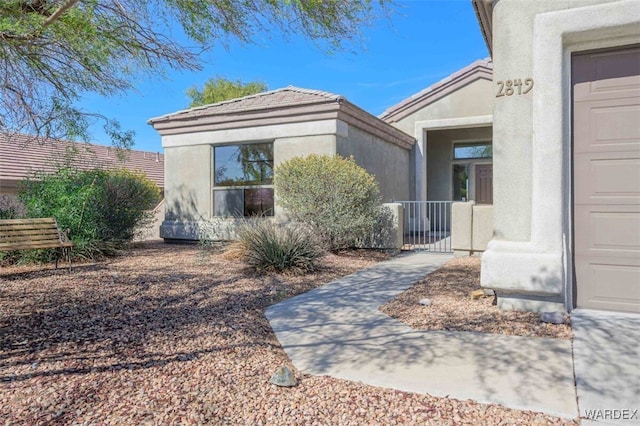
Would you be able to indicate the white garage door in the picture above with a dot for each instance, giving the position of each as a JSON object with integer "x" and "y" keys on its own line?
{"x": 606, "y": 179}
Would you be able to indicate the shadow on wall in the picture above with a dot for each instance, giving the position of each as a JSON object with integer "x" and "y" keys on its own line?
{"x": 183, "y": 220}
{"x": 181, "y": 205}
{"x": 150, "y": 230}
{"x": 547, "y": 280}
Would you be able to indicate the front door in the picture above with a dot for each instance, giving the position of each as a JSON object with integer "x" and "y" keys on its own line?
{"x": 484, "y": 183}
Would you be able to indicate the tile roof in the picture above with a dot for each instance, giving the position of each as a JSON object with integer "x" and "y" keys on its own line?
{"x": 21, "y": 155}
{"x": 480, "y": 69}
{"x": 289, "y": 96}
{"x": 283, "y": 106}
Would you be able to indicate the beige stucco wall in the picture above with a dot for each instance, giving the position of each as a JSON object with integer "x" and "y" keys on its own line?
{"x": 471, "y": 228}
{"x": 474, "y": 99}
{"x": 513, "y": 59}
{"x": 187, "y": 172}
{"x": 468, "y": 107}
{"x": 188, "y": 167}
{"x": 285, "y": 149}
{"x": 529, "y": 260}
{"x": 461, "y": 228}
{"x": 482, "y": 228}
{"x": 439, "y": 174}
{"x": 389, "y": 163}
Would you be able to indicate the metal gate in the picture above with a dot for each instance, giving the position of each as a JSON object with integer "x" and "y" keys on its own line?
{"x": 427, "y": 226}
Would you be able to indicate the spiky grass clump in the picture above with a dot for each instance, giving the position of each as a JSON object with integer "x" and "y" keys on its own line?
{"x": 279, "y": 248}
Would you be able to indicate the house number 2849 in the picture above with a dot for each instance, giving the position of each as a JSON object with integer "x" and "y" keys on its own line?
{"x": 514, "y": 87}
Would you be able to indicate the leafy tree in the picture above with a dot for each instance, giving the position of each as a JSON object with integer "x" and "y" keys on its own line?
{"x": 335, "y": 197}
{"x": 54, "y": 51}
{"x": 220, "y": 89}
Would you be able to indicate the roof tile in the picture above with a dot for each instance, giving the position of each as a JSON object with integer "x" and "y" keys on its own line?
{"x": 21, "y": 155}
{"x": 289, "y": 96}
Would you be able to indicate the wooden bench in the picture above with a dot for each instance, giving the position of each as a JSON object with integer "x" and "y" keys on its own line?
{"x": 31, "y": 234}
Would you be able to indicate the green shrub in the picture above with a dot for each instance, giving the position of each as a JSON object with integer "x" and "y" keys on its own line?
{"x": 271, "y": 247}
{"x": 100, "y": 208}
{"x": 335, "y": 197}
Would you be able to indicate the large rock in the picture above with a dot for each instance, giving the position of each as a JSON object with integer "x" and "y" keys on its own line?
{"x": 284, "y": 377}
{"x": 552, "y": 317}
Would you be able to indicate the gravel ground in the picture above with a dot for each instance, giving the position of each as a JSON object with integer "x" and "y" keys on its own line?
{"x": 174, "y": 334}
{"x": 452, "y": 308}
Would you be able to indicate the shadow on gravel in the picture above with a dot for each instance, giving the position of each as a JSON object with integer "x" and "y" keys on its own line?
{"x": 105, "y": 318}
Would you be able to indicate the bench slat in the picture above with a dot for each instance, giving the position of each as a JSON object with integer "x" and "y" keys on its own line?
{"x": 26, "y": 232}
{"x": 18, "y": 227}
{"x": 33, "y": 245}
{"x": 48, "y": 220}
{"x": 31, "y": 240}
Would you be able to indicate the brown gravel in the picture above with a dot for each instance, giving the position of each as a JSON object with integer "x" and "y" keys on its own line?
{"x": 173, "y": 334}
{"x": 452, "y": 309}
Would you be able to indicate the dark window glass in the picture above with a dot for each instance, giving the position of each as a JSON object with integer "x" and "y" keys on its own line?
{"x": 239, "y": 165}
{"x": 258, "y": 202}
{"x": 243, "y": 202}
{"x": 460, "y": 182}
{"x": 474, "y": 150}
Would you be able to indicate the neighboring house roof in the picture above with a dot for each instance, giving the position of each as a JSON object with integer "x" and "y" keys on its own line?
{"x": 287, "y": 105}
{"x": 484, "y": 13}
{"x": 21, "y": 155}
{"x": 480, "y": 69}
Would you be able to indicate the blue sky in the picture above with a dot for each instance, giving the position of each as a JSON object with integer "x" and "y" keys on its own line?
{"x": 422, "y": 43}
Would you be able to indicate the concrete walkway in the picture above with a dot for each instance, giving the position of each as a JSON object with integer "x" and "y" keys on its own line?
{"x": 337, "y": 330}
{"x": 606, "y": 347}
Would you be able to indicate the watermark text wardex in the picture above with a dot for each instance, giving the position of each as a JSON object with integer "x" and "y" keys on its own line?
{"x": 606, "y": 414}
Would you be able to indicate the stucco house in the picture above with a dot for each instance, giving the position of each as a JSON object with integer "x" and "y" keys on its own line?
{"x": 545, "y": 134}
{"x": 220, "y": 158}
{"x": 566, "y": 138}
{"x": 434, "y": 146}
{"x": 451, "y": 122}
{"x": 452, "y": 160}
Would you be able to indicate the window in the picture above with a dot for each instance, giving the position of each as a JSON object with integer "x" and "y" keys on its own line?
{"x": 472, "y": 150}
{"x": 460, "y": 182}
{"x": 242, "y": 179}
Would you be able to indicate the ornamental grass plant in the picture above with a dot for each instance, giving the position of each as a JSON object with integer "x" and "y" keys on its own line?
{"x": 272, "y": 247}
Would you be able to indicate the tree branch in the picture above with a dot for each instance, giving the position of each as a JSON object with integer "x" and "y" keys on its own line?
{"x": 59, "y": 12}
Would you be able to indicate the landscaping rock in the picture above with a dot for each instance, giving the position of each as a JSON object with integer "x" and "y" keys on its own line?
{"x": 284, "y": 377}
{"x": 476, "y": 294}
{"x": 425, "y": 302}
{"x": 552, "y": 317}
{"x": 149, "y": 356}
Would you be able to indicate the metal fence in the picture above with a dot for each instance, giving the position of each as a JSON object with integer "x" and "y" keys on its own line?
{"x": 427, "y": 226}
